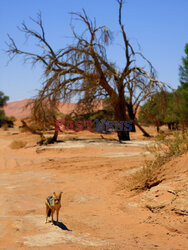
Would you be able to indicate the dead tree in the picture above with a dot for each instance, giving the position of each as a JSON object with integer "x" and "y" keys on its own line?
{"x": 84, "y": 66}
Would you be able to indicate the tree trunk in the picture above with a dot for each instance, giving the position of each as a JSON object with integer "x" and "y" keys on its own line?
{"x": 120, "y": 114}
{"x": 123, "y": 136}
{"x": 132, "y": 116}
{"x": 158, "y": 127}
{"x": 142, "y": 129}
{"x": 135, "y": 122}
{"x": 54, "y": 138}
{"x": 55, "y": 135}
{"x": 31, "y": 130}
{"x": 169, "y": 126}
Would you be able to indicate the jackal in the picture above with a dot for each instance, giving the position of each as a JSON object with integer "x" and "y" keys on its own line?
{"x": 53, "y": 203}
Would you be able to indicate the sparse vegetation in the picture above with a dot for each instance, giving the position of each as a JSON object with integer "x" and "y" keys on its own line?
{"x": 163, "y": 151}
{"x": 17, "y": 144}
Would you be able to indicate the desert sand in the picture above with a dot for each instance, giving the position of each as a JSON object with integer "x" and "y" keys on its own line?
{"x": 98, "y": 209}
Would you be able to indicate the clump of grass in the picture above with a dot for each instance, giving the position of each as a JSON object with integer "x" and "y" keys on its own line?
{"x": 163, "y": 151}
{"x": 17, "y": 144}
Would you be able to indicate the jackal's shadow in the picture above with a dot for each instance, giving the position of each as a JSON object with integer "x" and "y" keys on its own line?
{"x": 61, "y": 225}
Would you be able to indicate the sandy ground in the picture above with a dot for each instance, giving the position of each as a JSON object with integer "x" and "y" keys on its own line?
{"x": 98, "y": 210}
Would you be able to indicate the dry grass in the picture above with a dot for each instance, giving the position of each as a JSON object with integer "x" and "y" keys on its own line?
{"x": 17, "y": 144}
{"x": 165, "y": 149}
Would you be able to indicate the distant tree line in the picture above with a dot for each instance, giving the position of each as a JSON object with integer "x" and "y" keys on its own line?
{"x": 4, "y": 120}
{"x": 169, "y": 108}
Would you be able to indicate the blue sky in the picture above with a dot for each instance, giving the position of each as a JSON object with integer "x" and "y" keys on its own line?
{"x": 159, "y": 26}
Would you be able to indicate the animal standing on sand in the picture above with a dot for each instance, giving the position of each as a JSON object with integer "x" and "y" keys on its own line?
{"x": 53, "y": 203}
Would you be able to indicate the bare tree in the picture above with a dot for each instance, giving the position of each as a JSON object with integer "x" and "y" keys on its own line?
{"x": 43, "y": 114}
{"x": 83, "y": 68}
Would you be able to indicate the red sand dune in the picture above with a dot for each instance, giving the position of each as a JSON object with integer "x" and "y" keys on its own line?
{"x": 18, "y": 109}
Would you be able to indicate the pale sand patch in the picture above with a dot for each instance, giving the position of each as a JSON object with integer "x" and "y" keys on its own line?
{"x": 52, "y": 238}
{"x": 52, "y": 235}
{"x": 124, "y": 154}
{"x": 65, "y": 145}
{"x": 82, "y": 144}
{"x": 131, "y": 171}
{"x": 80, "y": 198}
{"x": 138, "y": 143}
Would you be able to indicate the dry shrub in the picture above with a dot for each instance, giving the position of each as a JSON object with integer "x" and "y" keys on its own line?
{"x": 147, "y": 176}
{"x": 17, "y": 144}
{"x": 22, "y": 130}
{"x": 165, "y": 149}
{"x": 5, "y": 127}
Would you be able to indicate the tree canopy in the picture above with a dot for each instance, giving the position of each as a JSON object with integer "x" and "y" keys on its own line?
{"x": 183, "y": 88}
{"x": 183, "y": 69}
{"x": 161, "y": 108}
{"x": 167, "y": 107}
{"x": 3, "y": 101}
